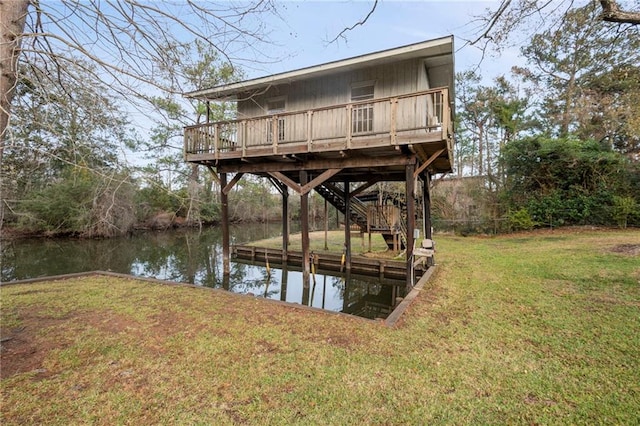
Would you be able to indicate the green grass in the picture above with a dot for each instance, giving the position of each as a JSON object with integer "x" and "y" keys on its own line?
{"x": 539, "y": 328}
{"x": 334, "y": 243}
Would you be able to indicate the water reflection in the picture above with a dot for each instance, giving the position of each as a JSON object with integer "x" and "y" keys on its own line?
{"x": 196, "y": 257}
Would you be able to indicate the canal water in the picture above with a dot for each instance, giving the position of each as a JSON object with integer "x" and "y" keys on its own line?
{"x": 195, "y": 256}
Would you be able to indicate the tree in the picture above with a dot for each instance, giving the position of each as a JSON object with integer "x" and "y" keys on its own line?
{"x": 488, "y": 118}
{"x": 125, "y": 40}
{"x": 498, "y": 25}
{"x": 197, "y": 67}
{"x": 567, "y": 180}
{"x": 64, "y": 174}
{"x": 574, "y": 66}
{"x": 131, "y": 45}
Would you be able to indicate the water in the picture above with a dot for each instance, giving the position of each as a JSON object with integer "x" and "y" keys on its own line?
{"x": 196, "y": 257}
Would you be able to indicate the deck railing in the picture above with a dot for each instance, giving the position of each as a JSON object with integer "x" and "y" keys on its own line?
{"x": 396, "y": 119}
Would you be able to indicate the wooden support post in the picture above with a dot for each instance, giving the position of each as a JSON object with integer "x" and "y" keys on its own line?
{"x": 225, "y": 225}
{"x": 347, "y": 290}
{"x": 285, "y": 222}
{"x": 226, "y": 281}
{"x": 411, "y": 221}
{"x": 309, "y": 130}
{"x": 326, "y": 224}
{"x": 347, "y": 224}
{"x": 349, "y": 110}
{"x": 284, "y": 283}
{"x": 304, "y": 228}
{"x": 306, "y": 289}
{"x": 394, "y": 121}
{"x": 426, "y": 205}
{"x": 216, "y": 141}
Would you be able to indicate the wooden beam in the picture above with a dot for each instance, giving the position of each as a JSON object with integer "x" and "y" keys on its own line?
{"x": 335, "y": 189}
{"x": 304, "y": 229}
{"x": 231, "y": 184}
{"x": 366, "y": 185}
{"x": 411, "y": 221}
{"x": 319, "y": 180}
{"x": 214, "y": 174}
{"x": 342, "y": 163}
{"x": 428, "y": 162}
{"x": 285, "y": 222}
{"x": 289, "y": 182}
{"x": 347, "y": 225}
{"x": 278, "y": 185}
{"x": 426, "y": 206}
{"x": 225, "y": 225}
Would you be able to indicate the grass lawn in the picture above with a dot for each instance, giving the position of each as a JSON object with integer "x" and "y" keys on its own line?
{"x": 539, "y": 328}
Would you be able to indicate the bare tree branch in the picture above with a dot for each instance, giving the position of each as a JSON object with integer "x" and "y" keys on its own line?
{"x": 357, "y": 24}
{"x": 498, "y": 26}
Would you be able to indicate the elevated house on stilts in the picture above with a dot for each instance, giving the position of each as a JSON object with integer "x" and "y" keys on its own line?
{"x": 338, "y": 129}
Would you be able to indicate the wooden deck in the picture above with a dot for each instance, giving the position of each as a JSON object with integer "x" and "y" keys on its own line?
{"x": 329, "y": 263}
{"x": 418, "y": 123}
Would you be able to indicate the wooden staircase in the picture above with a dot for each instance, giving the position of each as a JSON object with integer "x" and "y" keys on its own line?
{"x": 335, "y": 197}
{"x": 393, "y": 234}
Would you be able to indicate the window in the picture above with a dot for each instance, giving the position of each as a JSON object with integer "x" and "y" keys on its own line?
{"x": 362, "y": 113}
{"x": 275, "y": 106}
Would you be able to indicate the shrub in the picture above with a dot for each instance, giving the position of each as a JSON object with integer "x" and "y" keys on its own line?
{"x": 623, "y": 208}
{"x": 520, "y": 220}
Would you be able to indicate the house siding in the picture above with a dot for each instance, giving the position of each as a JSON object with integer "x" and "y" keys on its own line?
{"x": 390, "y": 79}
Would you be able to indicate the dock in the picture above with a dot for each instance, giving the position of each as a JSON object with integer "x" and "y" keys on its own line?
{"x": 328, "y": 263}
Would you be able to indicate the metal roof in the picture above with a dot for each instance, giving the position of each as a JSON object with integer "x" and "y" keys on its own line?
{"x": 435, "y": 52}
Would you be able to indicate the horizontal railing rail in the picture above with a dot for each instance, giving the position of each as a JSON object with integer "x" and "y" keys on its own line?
{"x": 394, "y": 117}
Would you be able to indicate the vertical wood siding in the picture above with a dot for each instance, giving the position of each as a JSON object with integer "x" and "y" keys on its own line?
{"x": 390, "y": 79}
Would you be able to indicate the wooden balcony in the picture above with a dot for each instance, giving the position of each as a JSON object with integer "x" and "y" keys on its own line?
{"x": 419, "y": 121}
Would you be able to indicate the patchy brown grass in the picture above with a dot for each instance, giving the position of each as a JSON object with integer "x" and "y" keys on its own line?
{"x": 516, "y": 329}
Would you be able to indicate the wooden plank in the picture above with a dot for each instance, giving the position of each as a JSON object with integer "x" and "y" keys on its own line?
{"x": 285, "y": 222}
{"x": 309, "y": 130}
{"x": 349, "y": 113}
{"x": 344, "y": 163}
{"x": 427, "y": 163}
{"x": 231, "y": 184}
{"x": 347, "y": 224}
{"x": 216, "y": 148}
{"x": 327, "y": 262}
{"x": 411, "y": 221}
{"x": 366, "y": 185}
{"x": 319, "y": 180}
{"x": 304, "y": 225}
{"x": 284, "y": 179}
{"x": 426, "y": 197}
{"x": 394, "y": 121}
{"x": 214, "y": 174}
{"x": 224, "y": 207}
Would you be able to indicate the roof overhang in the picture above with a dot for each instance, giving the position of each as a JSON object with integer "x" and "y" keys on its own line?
{"x": 437, "y": 51}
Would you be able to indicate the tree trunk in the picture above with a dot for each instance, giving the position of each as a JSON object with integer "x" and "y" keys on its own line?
{"x": 193, "y": 189}
{"x": 13, "y": 14}
{"x": 480, "y": 148}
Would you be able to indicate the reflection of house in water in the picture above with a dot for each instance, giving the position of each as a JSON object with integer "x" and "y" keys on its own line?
{"x": 338, "y": 129}
{"x": 371, "y": 300}
{"x": 367, "y": 296}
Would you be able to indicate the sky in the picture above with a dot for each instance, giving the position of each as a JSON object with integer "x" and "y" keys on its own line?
{"x": 302, "y": 37}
